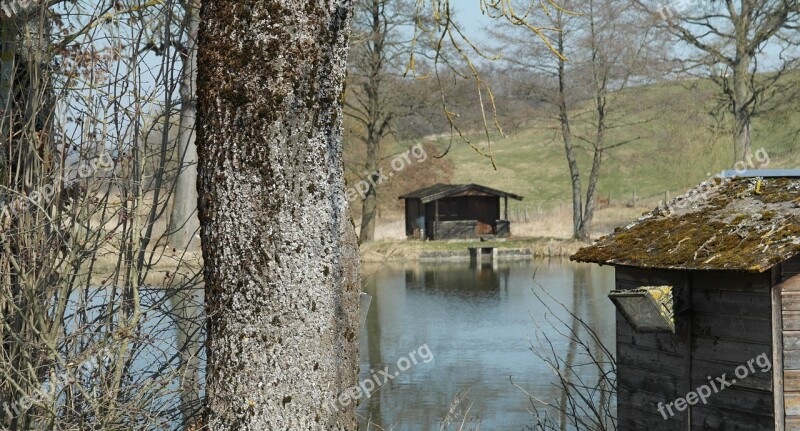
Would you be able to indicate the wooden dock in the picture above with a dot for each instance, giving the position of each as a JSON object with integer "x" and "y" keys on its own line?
{"x": 477, "y": 254}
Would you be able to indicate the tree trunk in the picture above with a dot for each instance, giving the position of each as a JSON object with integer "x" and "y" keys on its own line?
{"x": 369, "y": 206}
{"x": 585, "y": 231}
{"x": 376, "y": 120}
{"x": 600, "y": 74}
{"x": 281, "y": 260}
{"x": 742, "y": 136}
{"x": 742, "y": 109}
{"x": 183, "y": 222}
{"x": 184, "y": 226}
{"x": 369, "y": 209}
{"x": 28, "y": 243}
{"x": 566, "y": 134}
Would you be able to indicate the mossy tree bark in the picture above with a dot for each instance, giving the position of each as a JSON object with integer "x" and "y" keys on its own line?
{"x": 281, "y": 262}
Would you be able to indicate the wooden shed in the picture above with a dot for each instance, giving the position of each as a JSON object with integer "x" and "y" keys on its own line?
{"x": 450, "y": 211}
{"x": 728, "y": 256}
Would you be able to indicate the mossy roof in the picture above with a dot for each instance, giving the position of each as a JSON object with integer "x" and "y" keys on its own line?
{"x": 744, "y": 224}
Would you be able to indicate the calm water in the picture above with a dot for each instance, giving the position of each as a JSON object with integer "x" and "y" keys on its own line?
{"x": 478, "y": 324}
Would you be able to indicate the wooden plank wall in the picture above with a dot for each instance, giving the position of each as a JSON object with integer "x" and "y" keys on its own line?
{"x": 485, "y": 209}
{"x": 730, "y": 324}
{"x": 790, "y": 308}
{"x": 650, "y": 366}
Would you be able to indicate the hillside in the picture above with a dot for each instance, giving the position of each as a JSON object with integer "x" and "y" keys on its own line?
{"x": 676, "y": 144}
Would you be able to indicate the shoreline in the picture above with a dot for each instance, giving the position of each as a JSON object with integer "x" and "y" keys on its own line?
{"x": 175, "y": 268}
{"x": 457, "y": 250}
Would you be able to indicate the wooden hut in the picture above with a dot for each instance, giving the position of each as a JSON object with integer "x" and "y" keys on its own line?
{"x": 450, "y": 211}
{"x": 726, "y": 257}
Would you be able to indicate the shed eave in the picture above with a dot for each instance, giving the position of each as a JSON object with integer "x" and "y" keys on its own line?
{"x": 755, "y": 269}
{"x": 441, "y": 191}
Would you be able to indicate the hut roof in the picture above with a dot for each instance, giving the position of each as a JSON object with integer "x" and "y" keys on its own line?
{"x": 745, "y": 223}
{"x": 439, "y": 191}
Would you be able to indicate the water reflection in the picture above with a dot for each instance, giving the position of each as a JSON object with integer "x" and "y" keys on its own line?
{"x": 477, "y": 321}
{"x": 482, "y": 279}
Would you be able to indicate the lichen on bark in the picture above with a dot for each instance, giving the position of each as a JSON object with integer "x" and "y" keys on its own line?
{"x": 281, "y": 261}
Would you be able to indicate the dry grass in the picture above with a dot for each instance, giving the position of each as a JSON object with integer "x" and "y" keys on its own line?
{"x": 459, "y": 417}
{"x": 553, "y": 223}
{"x": 165, "y": 265}
{"x": 390, "y": 228}
{"x": 557, "y": 223}
{"x": 546, "y": 233}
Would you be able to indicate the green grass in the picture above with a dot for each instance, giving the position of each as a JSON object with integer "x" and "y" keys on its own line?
{"x": 678, "y": 144}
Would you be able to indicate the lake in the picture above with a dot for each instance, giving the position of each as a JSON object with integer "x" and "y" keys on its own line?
{"x": 471, "y": 330}
{"x": 444, "y": 332}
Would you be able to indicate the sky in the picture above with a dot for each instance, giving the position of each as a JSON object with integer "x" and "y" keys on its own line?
{"x": 473, "y": 22}
{"x": 468, "y": 14}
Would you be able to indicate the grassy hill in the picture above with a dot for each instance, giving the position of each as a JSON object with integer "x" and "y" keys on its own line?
{"x": 677, "y": 144}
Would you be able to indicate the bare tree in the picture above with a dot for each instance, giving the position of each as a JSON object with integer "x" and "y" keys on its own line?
{"x": 603, "y": 50}
{"x": 86, "y": 329}
{"x": 618, "y": 50}
{"x": 375, "y": 58}
{"x": 280, "y": 256}
{"x": 184, "y": 225}
{"x": 746, "y": 47}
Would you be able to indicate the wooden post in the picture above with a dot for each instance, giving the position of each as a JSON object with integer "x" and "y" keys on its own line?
{"x": 505, "y": 198}
{"x": 435, "y": 217}
{"x": 779, "y": 402}
{"x": 526, "y": 213}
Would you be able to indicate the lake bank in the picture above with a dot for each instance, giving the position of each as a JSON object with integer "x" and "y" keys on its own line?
{"x": 173, "y": 267}
{"x": 415, "y": 250}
